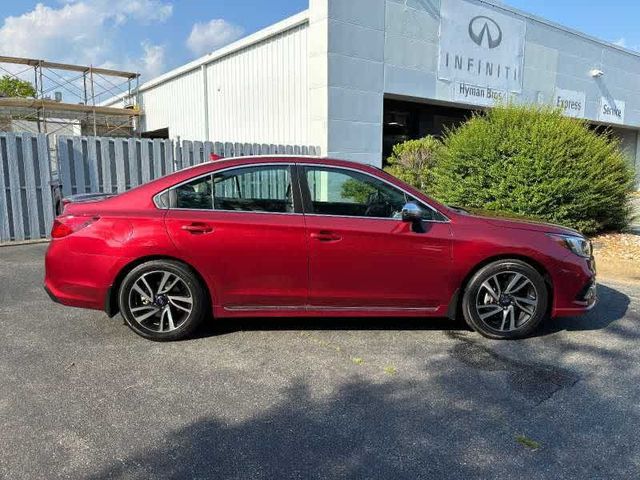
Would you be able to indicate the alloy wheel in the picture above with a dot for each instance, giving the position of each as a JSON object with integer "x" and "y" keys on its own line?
{"x": 160, "y": 301}
{"x": 506, "y": 301}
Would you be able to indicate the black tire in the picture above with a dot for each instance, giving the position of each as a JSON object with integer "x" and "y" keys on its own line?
{"x": 148, "y": 328}
{"x": 477, "y": 302}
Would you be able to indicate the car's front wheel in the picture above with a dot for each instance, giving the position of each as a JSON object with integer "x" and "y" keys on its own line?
{"x": 162, "y": 300}
{"x": 505, "y": 299}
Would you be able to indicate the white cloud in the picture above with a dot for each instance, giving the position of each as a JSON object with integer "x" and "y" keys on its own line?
{"x": 78, "y": 31}
{"x": 206, "y": 37}
{"x": 143, "y": 11}
{"x": 153, "y": 60}
{"x": 621, "y": 42}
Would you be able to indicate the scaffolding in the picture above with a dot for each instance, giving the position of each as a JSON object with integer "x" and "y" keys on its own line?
{"x": 69, "y": 96}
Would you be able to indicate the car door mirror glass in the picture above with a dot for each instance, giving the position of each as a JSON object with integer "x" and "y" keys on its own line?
{"x": 411, "y": 213}
{"x": 414, "y": 214}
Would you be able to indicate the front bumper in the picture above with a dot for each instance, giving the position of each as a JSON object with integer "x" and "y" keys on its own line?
{"x": 576, "y": 290}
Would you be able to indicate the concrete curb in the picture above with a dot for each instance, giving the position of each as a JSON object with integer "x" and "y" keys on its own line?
{"x": 25, "y": 242}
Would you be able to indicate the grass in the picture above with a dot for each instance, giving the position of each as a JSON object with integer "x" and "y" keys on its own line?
{"x": 527, "y": 442}
{"x": 390, "y": 370}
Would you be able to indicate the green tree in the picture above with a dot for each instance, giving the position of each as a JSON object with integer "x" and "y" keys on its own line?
{"x": 357, "y": 191}
{"x": 533, "y": 161}
{"x": 413, "y": 161}
{"x": 14, "y": 87}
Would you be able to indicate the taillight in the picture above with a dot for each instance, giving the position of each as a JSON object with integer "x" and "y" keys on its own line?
{"x": 64, "y": 226}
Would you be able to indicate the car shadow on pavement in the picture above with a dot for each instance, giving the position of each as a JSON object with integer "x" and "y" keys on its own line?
{"x": 612, "y": 306}
{"x": 227, "y": 326}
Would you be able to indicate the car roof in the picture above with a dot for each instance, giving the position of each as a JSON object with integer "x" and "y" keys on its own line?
{"x": 184, "y": 174}
{"x": 275, "y": 158}
{"x": 150, "y": 189}
{"x": 223, "y": 163}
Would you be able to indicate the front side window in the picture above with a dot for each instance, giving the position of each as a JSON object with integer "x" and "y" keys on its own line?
{"x": 341, "y": 192}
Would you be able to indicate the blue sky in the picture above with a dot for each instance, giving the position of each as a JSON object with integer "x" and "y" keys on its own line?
{"x": 153, "y": 36}
{"x": 614, "y": 20}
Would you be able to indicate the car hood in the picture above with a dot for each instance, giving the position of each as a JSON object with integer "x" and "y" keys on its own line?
{"x": 521, "y": 224}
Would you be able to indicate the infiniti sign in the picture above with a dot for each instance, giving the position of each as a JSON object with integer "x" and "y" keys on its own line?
{"x": 485, "y": 30}
{"x": 480, "y": 47}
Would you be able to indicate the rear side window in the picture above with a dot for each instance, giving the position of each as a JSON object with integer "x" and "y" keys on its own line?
{"x": 246, "y": 189}
{"x": 195, "y": 195}
{"x": 254, "y": 189}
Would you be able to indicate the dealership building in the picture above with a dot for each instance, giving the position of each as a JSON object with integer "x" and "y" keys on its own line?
{"x": 354, "y": 77}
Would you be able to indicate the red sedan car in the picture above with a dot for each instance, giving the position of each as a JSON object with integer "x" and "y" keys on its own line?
{"x": 295, "y": 236}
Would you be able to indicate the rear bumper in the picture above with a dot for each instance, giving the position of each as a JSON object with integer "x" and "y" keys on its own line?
{"x": 77, "y": 279}
{"x": 51, "y": 295}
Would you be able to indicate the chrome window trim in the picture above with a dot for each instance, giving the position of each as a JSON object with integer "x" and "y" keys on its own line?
{"x": 213, "y": 172}
{"x": 410, "y": 195}
{"x": 289, "y": 165}
{"x": 155, "y": 201}
{"x": 234, "y": 211}
{"x": 371, "y": 218}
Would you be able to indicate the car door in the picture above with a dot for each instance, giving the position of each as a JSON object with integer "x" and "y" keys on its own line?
{"x": 243, "y": 228}
{"x": 362, "y": 255}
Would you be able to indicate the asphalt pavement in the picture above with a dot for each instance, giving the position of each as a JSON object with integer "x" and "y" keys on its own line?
{"x": 82, "y": 397}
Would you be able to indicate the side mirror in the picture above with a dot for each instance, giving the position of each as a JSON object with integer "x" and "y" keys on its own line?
{"x": 413, "y": 213}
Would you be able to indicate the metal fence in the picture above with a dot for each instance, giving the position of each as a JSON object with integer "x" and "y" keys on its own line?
{"x": 107, "y": 165}
{"x": 93, "y": 165}
{"x": 26, "y": 204}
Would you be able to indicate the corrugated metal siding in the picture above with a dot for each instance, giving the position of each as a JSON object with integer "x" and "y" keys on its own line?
{"x": 260, "y": 94}
{"x": 177, "y": 104}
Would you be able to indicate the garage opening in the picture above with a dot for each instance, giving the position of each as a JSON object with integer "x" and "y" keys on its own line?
{"x": 409, "y": 120}
{"x": 160, "y": 133}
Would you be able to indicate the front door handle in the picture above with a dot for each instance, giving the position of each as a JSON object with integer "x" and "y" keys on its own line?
{"x": 197, "y": 228}
{"x": 325, "y": 236}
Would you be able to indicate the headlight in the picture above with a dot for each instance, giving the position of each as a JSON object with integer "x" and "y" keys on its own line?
{"x": 578, "y": 245}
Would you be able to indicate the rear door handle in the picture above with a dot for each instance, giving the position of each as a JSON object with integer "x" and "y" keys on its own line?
{"x": 325, "y": 236}
{"x": 197, "y": 228}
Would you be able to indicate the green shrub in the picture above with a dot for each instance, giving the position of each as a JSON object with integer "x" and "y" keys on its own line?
{"x": 533, "y": 161}
{"x": 413, "y": 161}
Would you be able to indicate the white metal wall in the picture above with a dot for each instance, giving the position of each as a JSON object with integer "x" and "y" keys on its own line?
{"x": 258, "y": 94}
{"x": 177, "y": 104}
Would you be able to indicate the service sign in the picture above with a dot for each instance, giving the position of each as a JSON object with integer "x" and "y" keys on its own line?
{"x": 477, "y": 95}
{"x": 571, "y": 103}
{"x": 611, "y": 111}
{"x": 480, "y": 46}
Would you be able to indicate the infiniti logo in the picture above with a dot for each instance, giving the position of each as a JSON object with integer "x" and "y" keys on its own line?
{"x": 481, "y": 28}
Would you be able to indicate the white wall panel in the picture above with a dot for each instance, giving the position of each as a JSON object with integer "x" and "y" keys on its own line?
{"x": 177, "y": 104}
{"x": 260, "y": 93}
{"x": 256, "y": 94}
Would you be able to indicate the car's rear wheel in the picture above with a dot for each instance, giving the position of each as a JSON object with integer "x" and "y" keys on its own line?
{"x": 505, "y": 299}
{"x": 162, "y": 300}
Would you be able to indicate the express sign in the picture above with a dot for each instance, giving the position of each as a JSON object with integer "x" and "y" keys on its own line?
{"x": 480, "y": 46}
